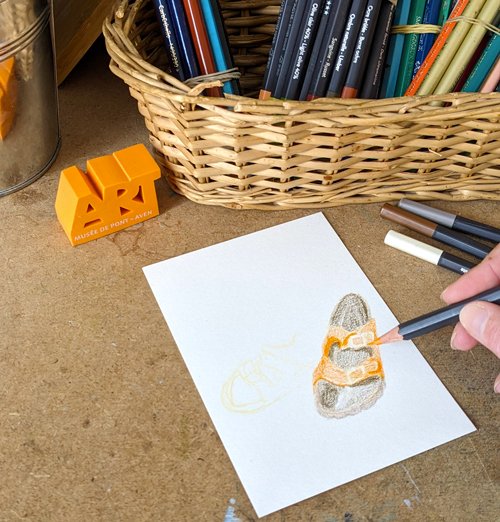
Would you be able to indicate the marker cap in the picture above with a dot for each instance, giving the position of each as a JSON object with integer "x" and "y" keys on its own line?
{"x": 433, "y": 214}
{"x": 413, "y": 247}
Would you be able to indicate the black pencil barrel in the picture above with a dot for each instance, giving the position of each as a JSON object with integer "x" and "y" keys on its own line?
{"x": 478, "y": 229}
{"x": 461, "y": 241}
{"x": 454, "y": 263}
{"x": 444, "y": 316}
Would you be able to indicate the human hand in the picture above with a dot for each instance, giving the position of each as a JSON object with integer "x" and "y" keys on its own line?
{"x": 479, "y": 321}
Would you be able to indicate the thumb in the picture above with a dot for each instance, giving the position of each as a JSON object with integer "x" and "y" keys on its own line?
{"x": 482, "y": 321}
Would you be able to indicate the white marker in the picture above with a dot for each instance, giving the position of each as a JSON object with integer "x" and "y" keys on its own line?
{"x": 427, "y": 252}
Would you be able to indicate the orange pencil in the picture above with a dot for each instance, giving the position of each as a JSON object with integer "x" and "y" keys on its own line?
{"x": 435, "y": 49}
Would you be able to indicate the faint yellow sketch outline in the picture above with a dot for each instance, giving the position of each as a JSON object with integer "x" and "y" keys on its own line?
{"x": 268, "y": 377}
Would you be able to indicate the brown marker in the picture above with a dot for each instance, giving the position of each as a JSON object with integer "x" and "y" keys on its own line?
{"x": 434, "y": 231}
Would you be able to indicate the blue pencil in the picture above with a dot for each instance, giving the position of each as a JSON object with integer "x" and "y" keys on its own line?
{"x": 218, "y": 41}
{"x": 425, "y": 41}
{"x": 395, "y": 51}
{"x": 172, "y": 46}
{"x": 183, "y": 36}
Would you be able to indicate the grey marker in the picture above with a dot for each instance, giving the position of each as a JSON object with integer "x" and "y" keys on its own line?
{"x": 451, "y": 220}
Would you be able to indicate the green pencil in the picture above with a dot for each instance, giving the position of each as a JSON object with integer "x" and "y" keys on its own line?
{"x": 449, "y": 49}
{"x": 466, "y": 50}
{"x": 444, "y": 12}
{"x": 409, "y": 48}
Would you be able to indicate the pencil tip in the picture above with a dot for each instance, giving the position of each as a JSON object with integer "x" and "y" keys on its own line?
{"x": 390, "y": 337}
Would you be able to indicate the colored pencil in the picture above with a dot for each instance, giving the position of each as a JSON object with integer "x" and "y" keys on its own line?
{"x": 295, "y": 28}
{"x": 473, "y": 61}
{"x": 425, "y": 40}
{"x": 444, "y": 12}
{"x": 454, "y": 40}
{"x": 183, "y": 35}
{"x": 361, "y": 50}
{"x": 201, "y": 41}
{"x": 172, "y": 46}
{"x": 303, "y": 49}
{"x": 286, "y": 15}
{"x": 372, "y": 80}
{"x": 436, "y": 48}
{"x": 346, "y": 50}
{"x": 315, "y": 62}
{"x": 396, "y": 41}
{"x": 434, "y": 320}
{"x": 493, "y": 79}
{"x": 483, "y": 65}
{"x": 409, "y": 48}
{"x": 218, "y": 41}
{"x": 473, "y": 37}
{"x": 328, "y": 49}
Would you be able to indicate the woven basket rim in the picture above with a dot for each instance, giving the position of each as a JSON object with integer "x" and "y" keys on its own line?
{"x": 243, "y": 152}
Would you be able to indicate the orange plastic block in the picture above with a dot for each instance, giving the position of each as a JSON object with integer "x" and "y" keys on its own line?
{"x": 8, "y": 92}
{"x": 117, "y": 191}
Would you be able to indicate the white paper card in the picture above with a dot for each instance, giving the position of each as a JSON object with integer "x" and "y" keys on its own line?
{"x": 249, "y": 317}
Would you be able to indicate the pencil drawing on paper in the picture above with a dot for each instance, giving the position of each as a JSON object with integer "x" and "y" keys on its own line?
{"x": 349, "y": 377}
{"x": 258, "y": 383}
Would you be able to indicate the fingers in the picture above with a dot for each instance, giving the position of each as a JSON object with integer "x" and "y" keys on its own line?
{"x": 479, "y": 321}
{"x": 461, "y": 340}
{"x": 482, "y": 322}
{"x": 482, "y": 277}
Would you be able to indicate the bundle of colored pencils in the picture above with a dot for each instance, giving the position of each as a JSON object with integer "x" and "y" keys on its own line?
{"x": 196, "y": 40}
{"x": 377, "y": 49}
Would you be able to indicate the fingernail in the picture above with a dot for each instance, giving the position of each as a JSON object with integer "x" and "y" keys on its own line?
{"x": 497, "y": 385}
{"x": 474, "y": 317}
{"x": 452, "y": 341}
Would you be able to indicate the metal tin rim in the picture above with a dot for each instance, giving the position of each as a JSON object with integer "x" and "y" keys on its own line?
{"x": 26, "y": 37}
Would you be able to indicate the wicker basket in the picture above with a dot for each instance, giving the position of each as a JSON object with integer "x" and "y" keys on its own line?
{"x": 241, "y": 152}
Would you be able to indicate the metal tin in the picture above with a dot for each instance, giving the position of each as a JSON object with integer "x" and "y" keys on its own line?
{"x": 29, "y": 120}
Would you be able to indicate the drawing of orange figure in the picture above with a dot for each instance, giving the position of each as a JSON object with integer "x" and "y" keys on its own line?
{"x": 349, "y": 378}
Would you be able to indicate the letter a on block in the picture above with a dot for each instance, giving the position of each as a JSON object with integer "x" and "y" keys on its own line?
{"x": 117, "y": 191}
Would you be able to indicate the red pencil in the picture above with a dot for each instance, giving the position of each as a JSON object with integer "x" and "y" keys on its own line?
{"x": 201, "y": 41}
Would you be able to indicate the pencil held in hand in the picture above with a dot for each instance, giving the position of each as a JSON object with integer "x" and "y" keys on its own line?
{"x": 434, "y": 320}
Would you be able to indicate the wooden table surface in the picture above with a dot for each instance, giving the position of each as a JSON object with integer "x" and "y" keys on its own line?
{"x": 100, "y": 419}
